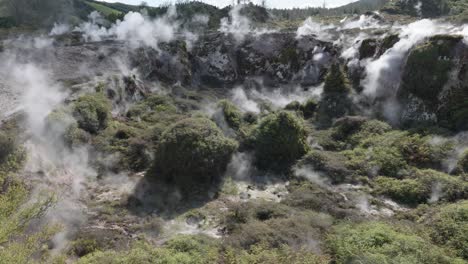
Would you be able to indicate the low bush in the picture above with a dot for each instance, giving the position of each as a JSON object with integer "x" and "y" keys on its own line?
{"x": 192, "y": 152}
{"x": 92, "y": 112}
{"x": 279, "y": 140}
{"x": 375, "y": 242}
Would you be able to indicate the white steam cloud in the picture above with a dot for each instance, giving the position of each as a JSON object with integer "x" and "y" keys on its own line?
{"x": 239, "y": 26}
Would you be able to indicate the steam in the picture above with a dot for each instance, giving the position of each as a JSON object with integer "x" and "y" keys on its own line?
{"x": 436, "y": 192}
{"x": 418, "y": 8}
{"x": 52, "y": 166}
{"x": 251, "y": 100}
{"x": 461, "y": 145}
{"x": 239, "y": 26}
{"x": 364, "y": 22}
{"x": 92, "y": 29}
{"x": 239, "y": 97}
{"x": 59, "y": 29}
{"x": 383, "y": 75}
{"x": 308, "y": 173}
{"x": 311, "y": 27}
{"x": 240, "y": 168}
{"x": 141, "y": 31}
{"x": 136, "y": 29}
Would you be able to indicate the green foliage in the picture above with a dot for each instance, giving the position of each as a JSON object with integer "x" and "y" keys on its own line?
{"x": 419, "y": 151}
{"x": 307, "y": 109}
{"x": 374, "y": 242}
{"x": 429, "y": 8}
{"x": 388, "y": 42}
{"x": 390, "y": 153}
{"x": 335, "y": 102}
{"x": 368, "y": 48}
{"x": 231, "y": 113}
{"x": 7, "y": 146}
{"x": 274, "y": 226}
{"x": 335, "y": 81}
{"x": 280, "y": 140}
{"x": 462, "y": 165}
{"x": 422, "y": 186}
{"x": 332, "y": 164}
{"x": 38, "y": 12}
{"x": 378, "y": 155}
{"x": 84, "y": 247}
{"x": 192, "y": 152}
{"x": 16, "y": 214}
{"x": 181, "y": 249}
{"x": 262, "y": 254}
{"x": 137, "y": 155}
{"x": 105, "y": 10}
{"x": 449, "y": 227}
{"x": 407, "y": 191}
{"x": 92, "y": 112}
{"x": 353, "y": 130}
{"x": 305, "y": 195}
{"x": 427, "y": 82}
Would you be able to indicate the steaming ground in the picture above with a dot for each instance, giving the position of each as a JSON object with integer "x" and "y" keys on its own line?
{"x": 43, "y": 75}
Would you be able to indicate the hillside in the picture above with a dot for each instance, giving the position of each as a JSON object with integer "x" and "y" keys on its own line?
{"x": 188, "y": 134}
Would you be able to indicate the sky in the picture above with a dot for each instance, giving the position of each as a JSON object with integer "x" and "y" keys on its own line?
{"x": 270, "y": 3}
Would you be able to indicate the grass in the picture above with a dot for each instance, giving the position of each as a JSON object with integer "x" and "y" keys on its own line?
{"x": 105, "y": 10}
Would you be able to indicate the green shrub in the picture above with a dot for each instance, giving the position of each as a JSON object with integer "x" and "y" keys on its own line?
{"x": 422, "y": 187}
{"x": 449, "y": 227}
{"x": 181, "y": 249}
{"x": 335, "y": 101}
{"x": 7, "y": 147}
{"x": 446, "y": 187}
{"x": 353, "y": 130}
{"x": 368, "y": 48}
{"x": 262, "y": 254}
{"x": 308, "y": 108}
{"x": 279, "y": 140}
{"x": 84, "y": 247}
{"x": 377, "y": 160}
{"x": 231, "y": 114}
{"x": 92, "y": 112}
{"x": 427, "y": 82}
{"x": 407, "y": 191}
{"x": 75, "y": 136}
{"x": 462, "y": 165}
{"x": 137, "y": 155}
{"x": 419, "y": 151}
{"x": 374, "y": 242}
{"x": 192, "y": 152}
{"x": 297, "y": 229}
{"x": 255, "y": 211}
{"x": 332, "y": 164}
{"x": 154, "y": 103}
{"x": 293, "y": 106}
{"x": 335, "y": 81}
{"x": 306, "y": 195}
